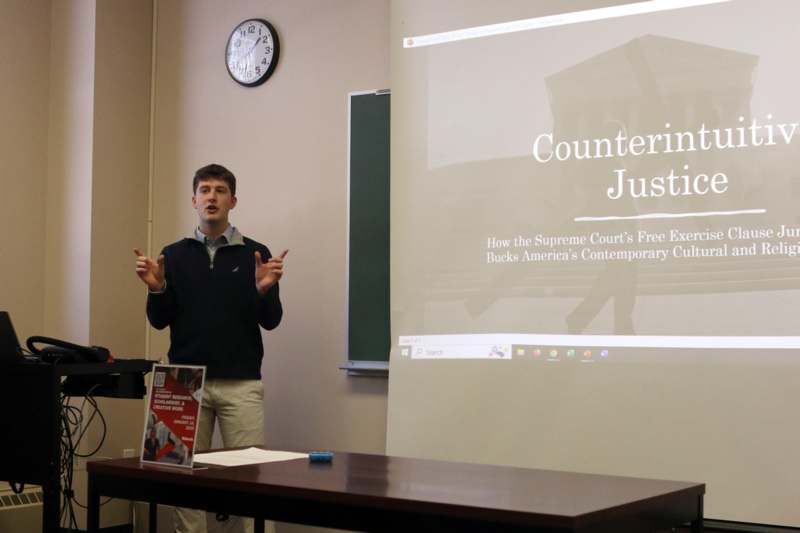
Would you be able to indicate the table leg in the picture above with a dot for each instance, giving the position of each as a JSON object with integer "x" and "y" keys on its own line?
{"x": 93, "y": 507}
{"x": 697, "y": 524}
{"x": 258, "y": 525}
{"x": 152, "y": 525}
{"x": 50, "y": 508}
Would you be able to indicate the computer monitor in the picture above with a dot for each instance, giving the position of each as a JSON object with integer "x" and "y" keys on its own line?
{"x": 10, "y": 350}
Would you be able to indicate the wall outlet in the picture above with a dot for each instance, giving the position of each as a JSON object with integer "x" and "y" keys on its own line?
{"x": 129, "y": 452}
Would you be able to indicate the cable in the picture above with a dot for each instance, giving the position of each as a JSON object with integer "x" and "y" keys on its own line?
{"x": 70, "y": 416}
{"x": 72, "y": 429}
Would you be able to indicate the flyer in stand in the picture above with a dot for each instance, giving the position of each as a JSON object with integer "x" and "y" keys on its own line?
{"x": 173, "y": 414}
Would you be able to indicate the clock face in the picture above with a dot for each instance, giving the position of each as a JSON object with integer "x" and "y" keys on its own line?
{"x": 252, "y": 52}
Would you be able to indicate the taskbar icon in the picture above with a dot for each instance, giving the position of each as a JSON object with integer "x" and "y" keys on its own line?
{"x": 559, "y": 353}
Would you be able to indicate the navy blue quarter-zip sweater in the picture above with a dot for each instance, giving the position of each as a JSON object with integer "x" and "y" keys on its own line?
{"x": 213, "y": 310}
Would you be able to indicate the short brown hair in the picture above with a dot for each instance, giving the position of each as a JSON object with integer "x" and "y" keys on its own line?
{"x": 214, "y": 171}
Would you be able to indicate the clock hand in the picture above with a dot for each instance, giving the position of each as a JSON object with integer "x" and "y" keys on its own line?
{"x": 254, "y": 46}
{"x": 246, "y": 55}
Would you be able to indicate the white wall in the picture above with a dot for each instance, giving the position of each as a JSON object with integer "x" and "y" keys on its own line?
{"x": 286, "y": 143}
{"x": 23, "y": 140}
{"x": 69, "y": 174}
{"x": 75, "y": 152}
{"x": 76, "y": 161}
{"x": 98, "y": 160}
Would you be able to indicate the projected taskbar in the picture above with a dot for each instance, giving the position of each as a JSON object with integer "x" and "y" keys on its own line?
{"x": 583, "y": 348}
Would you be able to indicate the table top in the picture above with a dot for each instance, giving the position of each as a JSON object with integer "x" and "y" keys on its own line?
{"x": 470, "y": 491}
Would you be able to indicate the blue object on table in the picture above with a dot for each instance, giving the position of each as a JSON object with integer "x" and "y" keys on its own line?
{"x": 320, "y": 457}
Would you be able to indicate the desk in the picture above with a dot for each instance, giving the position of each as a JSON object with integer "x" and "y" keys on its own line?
{"x": 379, "y": 493}
{"x": 31, "y": 423}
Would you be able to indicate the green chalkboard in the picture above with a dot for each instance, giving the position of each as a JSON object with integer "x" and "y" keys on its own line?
{"x": 368, "y": 334}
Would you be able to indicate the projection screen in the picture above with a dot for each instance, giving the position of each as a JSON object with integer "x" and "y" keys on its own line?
{"x": 595, "y": 241}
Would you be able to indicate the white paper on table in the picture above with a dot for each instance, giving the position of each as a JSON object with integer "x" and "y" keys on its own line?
{"x": 248, "y": 456}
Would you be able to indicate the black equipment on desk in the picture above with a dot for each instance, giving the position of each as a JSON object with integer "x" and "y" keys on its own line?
{"x": 32, "y": 449}
{"x": 58, "y": 351}
{"x": 10, "y": 350}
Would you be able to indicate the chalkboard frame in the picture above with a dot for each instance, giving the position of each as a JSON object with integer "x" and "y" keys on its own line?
{"x": 368, "y": 339}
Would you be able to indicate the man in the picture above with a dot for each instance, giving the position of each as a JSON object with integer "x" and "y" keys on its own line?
{"x": 214, "y": 289}
{"x": 151, "y": 446}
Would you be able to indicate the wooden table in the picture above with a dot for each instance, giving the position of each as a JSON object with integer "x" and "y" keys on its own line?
{"x": 379, "y": 493}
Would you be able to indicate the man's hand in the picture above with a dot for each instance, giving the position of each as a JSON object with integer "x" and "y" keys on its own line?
{"x": 149, "y": 271}
{"x": 268, "y": 272}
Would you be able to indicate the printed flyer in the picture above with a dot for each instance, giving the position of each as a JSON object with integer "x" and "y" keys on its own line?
{"x": 173, "y": 414}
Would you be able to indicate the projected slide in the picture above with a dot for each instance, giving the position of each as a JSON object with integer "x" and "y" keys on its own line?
{"x": 595, "y": 241}
{"x": 590, "y": 184}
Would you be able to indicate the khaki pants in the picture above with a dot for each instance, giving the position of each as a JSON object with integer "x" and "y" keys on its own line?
{"x": 238, "y": 406}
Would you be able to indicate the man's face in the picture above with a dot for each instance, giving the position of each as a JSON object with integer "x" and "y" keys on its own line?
{"x": 213, "y": 201}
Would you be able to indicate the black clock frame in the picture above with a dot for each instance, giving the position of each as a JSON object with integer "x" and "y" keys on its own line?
{"x": 275, "y": 53}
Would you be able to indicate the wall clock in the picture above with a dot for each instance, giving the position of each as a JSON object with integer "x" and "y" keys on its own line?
{"x": 252, "y": 52}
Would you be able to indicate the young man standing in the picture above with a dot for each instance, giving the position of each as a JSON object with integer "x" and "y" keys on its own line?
{"x": 214, "y": 289}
